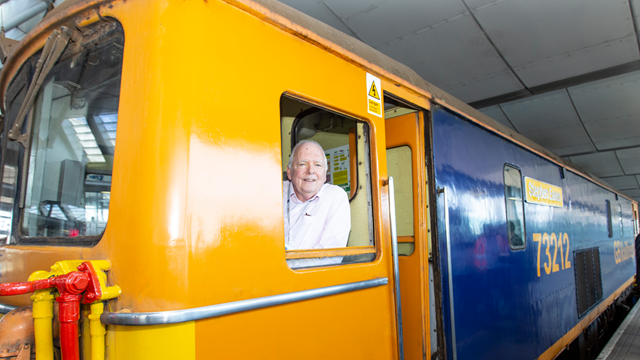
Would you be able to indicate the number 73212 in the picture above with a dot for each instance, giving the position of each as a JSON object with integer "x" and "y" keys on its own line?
{"x": 553, "y": 263}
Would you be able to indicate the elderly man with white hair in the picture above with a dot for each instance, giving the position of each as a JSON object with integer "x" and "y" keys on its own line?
{"x": 316, "y": 215}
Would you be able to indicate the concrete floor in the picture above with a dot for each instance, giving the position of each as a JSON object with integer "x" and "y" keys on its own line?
{"x": 625, "y": 343}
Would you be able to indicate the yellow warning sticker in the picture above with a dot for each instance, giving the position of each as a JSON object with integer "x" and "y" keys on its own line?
{"x": 374, "y": 103}
{"x": 373, "y": 92}
{"x": 374, "y": 107}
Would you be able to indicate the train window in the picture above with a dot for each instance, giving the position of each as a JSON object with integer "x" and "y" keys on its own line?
{"x": 514, "y": 207}
{"x": 399, "y": 166}
{"x": 620, "y": 220}
{"x": 338, "y": 228}
{"x": 67, "y": 175}
{"x": 609, "y": 220}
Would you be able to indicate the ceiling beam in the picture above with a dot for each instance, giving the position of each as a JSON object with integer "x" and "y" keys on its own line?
{"x": 602, "y": 151}
{"x": 495, "y": 47}
{"x": 560, "y": 84}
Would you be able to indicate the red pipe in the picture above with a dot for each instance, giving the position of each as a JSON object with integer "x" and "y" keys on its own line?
{"x": 70, "y": 287}
{"x": 73, "y": 283}
{"x": 68, "y": 315}
{"x": 19, "y": 288}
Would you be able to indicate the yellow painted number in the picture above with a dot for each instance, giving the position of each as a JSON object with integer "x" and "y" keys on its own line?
{"x": 547, "y": 265}
{"x": 567, "y": 263}
{"x": 557, "y": 262}
{"x": 554, "y": 240}
{"x": 536, "y": 238}
{"x": 561, "y": 250}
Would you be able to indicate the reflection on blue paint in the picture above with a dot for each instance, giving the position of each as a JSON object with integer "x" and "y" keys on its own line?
{"x": 503, "y": 309}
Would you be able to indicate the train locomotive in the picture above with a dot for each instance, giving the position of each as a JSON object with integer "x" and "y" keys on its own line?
{"x": 467, "y": 240}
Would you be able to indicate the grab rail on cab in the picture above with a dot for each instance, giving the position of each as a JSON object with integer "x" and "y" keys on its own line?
{"x": 178, "y": 316}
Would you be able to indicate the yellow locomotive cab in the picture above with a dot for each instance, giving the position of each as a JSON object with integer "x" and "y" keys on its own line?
{"x": 159, "y": 140}
{"x": 144, "y": 148}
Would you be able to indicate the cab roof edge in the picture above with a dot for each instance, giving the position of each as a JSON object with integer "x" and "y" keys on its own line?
{"x": 351, "y": 49}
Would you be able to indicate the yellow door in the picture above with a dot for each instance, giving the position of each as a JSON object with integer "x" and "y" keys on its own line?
{"x": 405, "y": 151}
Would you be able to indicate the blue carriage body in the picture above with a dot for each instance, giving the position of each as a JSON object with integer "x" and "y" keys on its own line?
{"x": 502, "y": 307}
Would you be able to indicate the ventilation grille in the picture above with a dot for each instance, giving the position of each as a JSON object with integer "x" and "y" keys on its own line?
{"x": 588, "y": 279}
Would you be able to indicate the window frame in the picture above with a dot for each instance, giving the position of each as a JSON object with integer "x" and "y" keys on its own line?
{"x": 370, "y": 161}
{"x": 608, "y": 215}
{"x": 524, "y": 222}
{"x": 16, "y": 228}
{"x": 620, "y": 219}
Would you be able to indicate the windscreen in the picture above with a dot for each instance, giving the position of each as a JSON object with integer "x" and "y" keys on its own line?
{"x": 66, "y": 171}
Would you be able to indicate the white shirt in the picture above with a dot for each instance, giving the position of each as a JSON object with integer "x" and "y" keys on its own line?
{"x": 322, "y": 222}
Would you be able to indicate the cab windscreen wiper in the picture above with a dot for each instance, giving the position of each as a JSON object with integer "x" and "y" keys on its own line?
{"x": 53, "y": 48}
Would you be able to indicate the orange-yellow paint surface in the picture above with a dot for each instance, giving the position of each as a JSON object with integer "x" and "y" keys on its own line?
{"x": 196, "y": 197}
{"x": 157, "y": 342}
{"x": 406, "y": 130}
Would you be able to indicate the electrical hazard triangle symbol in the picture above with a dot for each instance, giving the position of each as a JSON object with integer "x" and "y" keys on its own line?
{"x": 373, "y": 92}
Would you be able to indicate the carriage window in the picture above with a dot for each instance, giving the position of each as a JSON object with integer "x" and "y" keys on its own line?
{"x": 327, "y": 195}
{"x": 514, "y": 205}
{"x": 609, "y": 220}
{"x": 70, "y": 157}
{"x": 399, "y": 166}
{"x": 620, "y": 219}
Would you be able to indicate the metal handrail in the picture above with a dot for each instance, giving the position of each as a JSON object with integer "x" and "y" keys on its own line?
{"x": 205, "y": 312}
{"x": 396, "y": 269}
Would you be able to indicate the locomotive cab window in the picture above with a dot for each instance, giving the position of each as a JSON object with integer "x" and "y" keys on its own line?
{"x": 620, "y": 220}
{"x": 68, "y": 140}
{"x": 514, "y": 207}
{"x": 609, "y": 218}
{"x": 327, "y": 196}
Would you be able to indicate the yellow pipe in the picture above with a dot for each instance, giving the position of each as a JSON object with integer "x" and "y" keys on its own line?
{"x": 97, "y": 331}
{"x": 85, "y": 336}
{"x": 42, "y": 323}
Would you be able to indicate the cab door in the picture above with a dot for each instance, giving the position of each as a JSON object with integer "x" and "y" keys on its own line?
{"x": 405, "y": 162}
